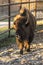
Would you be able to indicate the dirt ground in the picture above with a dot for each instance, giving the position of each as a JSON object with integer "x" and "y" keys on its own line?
{"x": 11, "y": 56}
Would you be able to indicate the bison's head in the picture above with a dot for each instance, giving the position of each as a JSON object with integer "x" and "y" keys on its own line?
{"x": 20, "y": 20}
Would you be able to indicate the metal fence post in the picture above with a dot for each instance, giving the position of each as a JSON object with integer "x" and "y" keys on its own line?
{"x": 35, "y": 7}
{"x": 29, "y": 5}
{"x": 9, "y": 17}
{"x": 20, "y": 4}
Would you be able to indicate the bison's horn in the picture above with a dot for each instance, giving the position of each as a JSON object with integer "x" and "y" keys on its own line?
{"x": 27, "y": 22}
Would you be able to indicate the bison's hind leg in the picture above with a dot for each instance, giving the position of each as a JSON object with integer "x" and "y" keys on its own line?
{"x": 27, "y": 46}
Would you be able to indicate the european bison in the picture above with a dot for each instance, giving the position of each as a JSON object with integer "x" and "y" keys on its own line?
{"x": 24, "y": 24}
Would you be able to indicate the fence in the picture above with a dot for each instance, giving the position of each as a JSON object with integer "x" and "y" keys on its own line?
{"x": 9, "y": 12}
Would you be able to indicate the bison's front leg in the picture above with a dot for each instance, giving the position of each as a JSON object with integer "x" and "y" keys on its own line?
{"x": 27, "y": 46}
{"x": 20, "y": 45}
{"x": 21, "y": 48}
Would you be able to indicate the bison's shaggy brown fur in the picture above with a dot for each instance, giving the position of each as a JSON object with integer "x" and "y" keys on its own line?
{"x": 24, "y": 24}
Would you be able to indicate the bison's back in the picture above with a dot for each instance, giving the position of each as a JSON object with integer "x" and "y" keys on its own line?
{"x": 31, "y": 27}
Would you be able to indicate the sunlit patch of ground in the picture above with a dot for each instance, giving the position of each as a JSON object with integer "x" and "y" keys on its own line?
{"x": 10, "y": 56}
{"x": 41, "y": 31}
{"x": 40, "y": 22}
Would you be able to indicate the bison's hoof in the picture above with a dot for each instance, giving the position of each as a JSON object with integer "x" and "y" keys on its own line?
{"x": 21, "y": 52}
{"x": 28, "y": 50}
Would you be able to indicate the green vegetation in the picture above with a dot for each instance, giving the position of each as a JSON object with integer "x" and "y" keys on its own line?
{"x": 3, "y": 29}
{"x": 5, "y": 40}
{"x": 6, "y": 20}
{"x": 39, "y": 27}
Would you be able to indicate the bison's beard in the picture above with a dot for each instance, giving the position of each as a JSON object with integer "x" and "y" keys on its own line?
{"x": 20, "y": 33}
